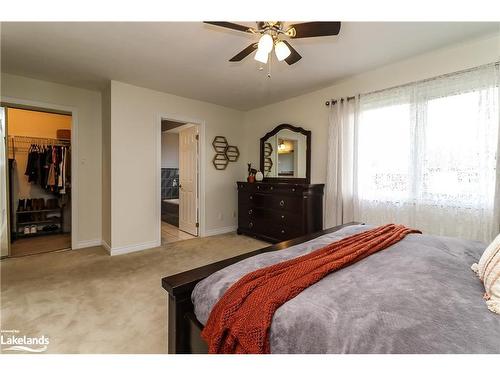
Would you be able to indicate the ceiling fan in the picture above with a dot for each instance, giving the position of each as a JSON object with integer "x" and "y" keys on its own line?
{"x": 273, "y": 33}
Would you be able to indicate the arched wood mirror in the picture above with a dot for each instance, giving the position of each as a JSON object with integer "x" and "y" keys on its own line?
{"x": 285, "y": 154}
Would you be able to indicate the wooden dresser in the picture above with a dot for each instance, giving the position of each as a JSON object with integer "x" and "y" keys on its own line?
{"x": 274, "y": 211}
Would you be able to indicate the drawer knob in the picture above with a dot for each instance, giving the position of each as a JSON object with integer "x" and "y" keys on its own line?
{"x": 258, "y": 187}
{"x": 250, "y": 211}
{"x": 282, "y": 203}
{"x": 282, "y": 216}
{"x": 293, "y": 189}
{"x": 282, "y": 231}
{"x": 251, "y": 196}
{"x": 250, "y": 224}
{"x": 271, "y": 188}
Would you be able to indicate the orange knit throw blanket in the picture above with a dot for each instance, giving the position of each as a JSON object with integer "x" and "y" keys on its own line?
{"x": 240, "y": 321}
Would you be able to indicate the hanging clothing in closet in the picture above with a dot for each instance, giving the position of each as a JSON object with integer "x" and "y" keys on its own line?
{"x": 49, "y": 167}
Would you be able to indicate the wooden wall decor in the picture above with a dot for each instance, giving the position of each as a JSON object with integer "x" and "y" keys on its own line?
{"x": 220, "y": 144}
{"x": 220, "y": 161}
{"x": 268, "y": 162}
{"x": 268, "y": 149}
{"x": 232, "y": 153}
{"x": 224, "y": 153}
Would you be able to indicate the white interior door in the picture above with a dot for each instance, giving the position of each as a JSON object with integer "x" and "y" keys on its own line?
{"x": 188, "y": 180}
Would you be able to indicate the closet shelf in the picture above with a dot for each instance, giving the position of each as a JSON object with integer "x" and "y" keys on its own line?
{"x": 40, "y": 222}
{"x": 30, "y": 221}
{"x": 39, "y": 233}
{"x": 44, "y": 210}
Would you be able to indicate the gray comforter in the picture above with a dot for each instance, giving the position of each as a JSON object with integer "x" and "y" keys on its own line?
{"x": 417, "y": 296}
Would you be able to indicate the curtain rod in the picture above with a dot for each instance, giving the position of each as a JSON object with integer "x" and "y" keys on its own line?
{"x": 334, "y": 101}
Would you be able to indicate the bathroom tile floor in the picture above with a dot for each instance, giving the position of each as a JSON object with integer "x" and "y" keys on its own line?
{"x": 170, "y": 233}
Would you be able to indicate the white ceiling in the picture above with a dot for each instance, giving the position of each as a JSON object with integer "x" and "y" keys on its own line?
{"x": 190, "y": 59}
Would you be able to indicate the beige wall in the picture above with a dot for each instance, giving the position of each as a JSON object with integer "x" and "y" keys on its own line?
{"x": 135, "y": 131}
{"x": 310, "y": 112}
{"x": 106, "y": 166}
{"x": 88, "y": 115}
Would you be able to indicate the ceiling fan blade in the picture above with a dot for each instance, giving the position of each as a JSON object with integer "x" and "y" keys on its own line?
{"x": 294, "y": 55}
{"x": 230, "y": 25}
{"x": 247, "y": 51}
{"x": 312, "y": 29}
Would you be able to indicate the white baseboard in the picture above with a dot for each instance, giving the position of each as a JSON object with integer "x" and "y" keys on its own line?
{"x": 130, "y": 249}
{"x": 85, "y": 244}
{"x": 216, "y": 231}
{"x": 106, "y": 246}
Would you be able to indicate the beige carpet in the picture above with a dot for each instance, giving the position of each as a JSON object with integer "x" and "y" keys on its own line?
{"x": 86, "y": 301}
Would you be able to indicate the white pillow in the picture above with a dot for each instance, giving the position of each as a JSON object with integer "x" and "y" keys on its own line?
{"x": 488, "y": 271}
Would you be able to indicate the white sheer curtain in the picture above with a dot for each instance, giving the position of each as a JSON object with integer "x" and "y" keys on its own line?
{"x": 340, "y": 163}
{"x": 425, "y": 155}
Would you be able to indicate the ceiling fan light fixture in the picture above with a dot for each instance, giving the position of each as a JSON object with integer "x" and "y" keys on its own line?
{"x": 261, "y": 56}
{"x": 266, "y": 43}
{"x": 282, "y": 51}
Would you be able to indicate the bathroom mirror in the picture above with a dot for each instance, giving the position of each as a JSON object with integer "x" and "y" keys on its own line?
{"x": 285, "y": 154}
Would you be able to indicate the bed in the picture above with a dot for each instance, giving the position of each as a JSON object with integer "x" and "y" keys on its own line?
{"x": 417, "y": 296}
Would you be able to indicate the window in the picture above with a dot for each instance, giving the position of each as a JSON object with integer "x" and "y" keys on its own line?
{"x": 426, "y": 155}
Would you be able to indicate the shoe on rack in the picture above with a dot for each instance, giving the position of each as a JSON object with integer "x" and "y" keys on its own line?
{"x": 29, "y": 204}
{"x": 52, "y": 203}
{"x": 34, "y": 207}
{"x": 41, "y": 205}
{"x": 50, "y": 228}
{"x": 33, "y": 229}
{"x": 27, "y": 230}
{"x": 21, "y": 205}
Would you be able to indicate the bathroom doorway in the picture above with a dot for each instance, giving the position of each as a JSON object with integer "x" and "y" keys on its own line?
{"x": 179, "y": 181}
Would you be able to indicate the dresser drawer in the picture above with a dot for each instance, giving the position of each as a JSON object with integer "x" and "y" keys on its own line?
{"x": 284, "y": 202}
{"x": 281, "y": 202}
{"x": 256, "y": 199}
{"x": 270, "y": 188}
{"x": 284, "y": 233}
{"x": 274, "y": 217}
{"x": 270, "y": 222}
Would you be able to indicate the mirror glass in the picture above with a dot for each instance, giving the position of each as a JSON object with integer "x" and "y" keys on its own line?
{"x": 285, "y": 155}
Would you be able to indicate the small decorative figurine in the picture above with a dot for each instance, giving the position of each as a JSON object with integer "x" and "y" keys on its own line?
{"x": 251, "y": 173}
{"x": 259, "y": 176}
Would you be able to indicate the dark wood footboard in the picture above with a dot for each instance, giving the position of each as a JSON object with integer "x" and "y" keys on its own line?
{"x": 183, "y": 327}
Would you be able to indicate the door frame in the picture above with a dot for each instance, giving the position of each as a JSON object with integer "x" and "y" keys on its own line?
{"x": 12, "y": 102}
{"x": 201, "y": 168}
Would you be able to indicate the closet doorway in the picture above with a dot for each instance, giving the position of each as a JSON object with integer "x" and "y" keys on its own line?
{"x": 38, "y": 148}
{"x": 179, "y": 181}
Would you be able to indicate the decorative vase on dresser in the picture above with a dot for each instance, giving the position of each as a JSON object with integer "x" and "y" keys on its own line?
{"x": 275, "y": 212}
{"x": 285, "y": 204}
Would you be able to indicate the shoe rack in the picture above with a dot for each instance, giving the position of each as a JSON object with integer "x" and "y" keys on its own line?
{"x": 38, "y": 222}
